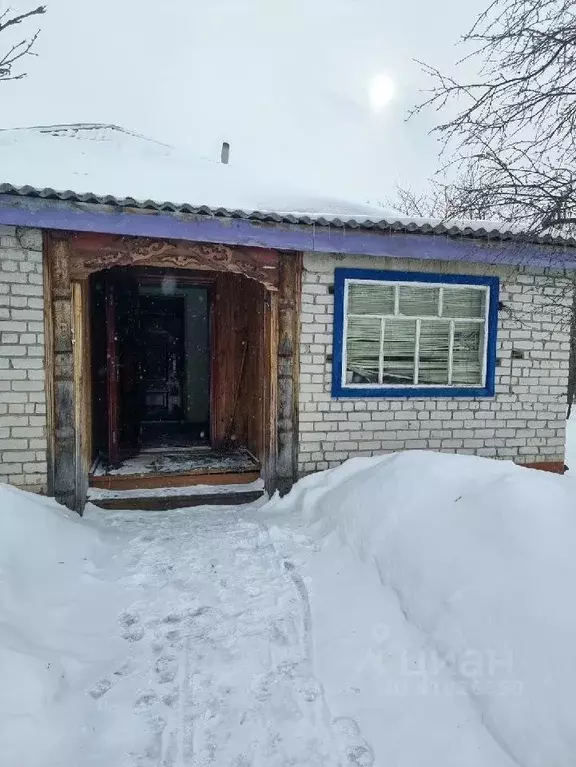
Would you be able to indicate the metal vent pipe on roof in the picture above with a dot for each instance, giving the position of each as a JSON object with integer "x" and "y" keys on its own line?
{"x": 225, "y": 154}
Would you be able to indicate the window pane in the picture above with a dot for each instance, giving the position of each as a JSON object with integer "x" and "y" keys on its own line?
{"x": 370, "y": 299}
{"x": 467, "y": 355}
{"x": 362, "y": 350}
{"x": 434, "y": 349}
{"x": 463, "y": 302}
{"x": 399, "y": 344}
{"x": 418, "y": 301}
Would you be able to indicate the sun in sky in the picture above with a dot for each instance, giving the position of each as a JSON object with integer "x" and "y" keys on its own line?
{"x": 381, "y": 91}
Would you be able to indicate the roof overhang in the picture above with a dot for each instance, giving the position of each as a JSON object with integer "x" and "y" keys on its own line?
{"x": 110, "y": 219}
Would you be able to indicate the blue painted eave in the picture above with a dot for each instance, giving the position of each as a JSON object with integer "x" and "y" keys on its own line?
{"x": 84, "y": 217}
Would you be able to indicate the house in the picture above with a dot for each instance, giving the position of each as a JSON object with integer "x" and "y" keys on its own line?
{"x": 167, "y": 321}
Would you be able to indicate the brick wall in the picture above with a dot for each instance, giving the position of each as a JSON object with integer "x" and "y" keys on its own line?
{"x": 524, "y": 422}
{"x": 22, "y": 390}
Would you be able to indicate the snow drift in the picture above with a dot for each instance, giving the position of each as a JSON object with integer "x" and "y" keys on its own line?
{"x": 480, "y": 555}
{"x": 53, "y": 607}
{"x": 42, "y": 546}
{"x": 36, "y": 534}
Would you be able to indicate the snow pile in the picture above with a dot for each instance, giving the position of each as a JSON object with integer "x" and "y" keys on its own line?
{"x": 41, "y": 546}
{"x": 51, "y": 602}
{"x": 36, "y": 534}
{"x": 480, "y": 556}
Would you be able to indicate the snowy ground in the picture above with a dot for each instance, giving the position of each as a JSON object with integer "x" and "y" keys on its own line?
{"x": 367, "y": 619}
{"x": 204, "y": 660}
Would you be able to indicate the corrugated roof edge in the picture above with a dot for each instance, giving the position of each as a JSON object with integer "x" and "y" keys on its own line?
{"x": 473, "y": 230}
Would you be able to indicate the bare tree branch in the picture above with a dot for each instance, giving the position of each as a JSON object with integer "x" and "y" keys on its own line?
{"x": 21, "y": 49}
{"x": 515, "y": 123}
{"x": 441, "y": 201}
{"x": 19, "y": 19}
{"x": 445, "y": 201}
{"x": 516, "y": 120}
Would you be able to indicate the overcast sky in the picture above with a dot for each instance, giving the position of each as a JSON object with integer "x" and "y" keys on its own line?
{"x": 286, "y": 82}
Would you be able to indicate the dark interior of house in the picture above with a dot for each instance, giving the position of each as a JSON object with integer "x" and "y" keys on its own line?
{"x": 179, "y": 374}
{"x": 150, "y": 335}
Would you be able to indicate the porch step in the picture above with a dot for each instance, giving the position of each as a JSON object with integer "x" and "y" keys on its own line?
{"x": 165, "y": 498}
{"x": 158, "y": 469}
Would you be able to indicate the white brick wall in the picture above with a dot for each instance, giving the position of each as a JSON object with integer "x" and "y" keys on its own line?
{"x": 524, "y": 422}
{"x": 22, "y": 392}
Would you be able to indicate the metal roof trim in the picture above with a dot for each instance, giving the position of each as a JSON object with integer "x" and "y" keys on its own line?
{"x": 340, "y": 221}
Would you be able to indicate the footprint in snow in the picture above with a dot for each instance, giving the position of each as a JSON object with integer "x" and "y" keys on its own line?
{"x": 353, "y": 745}
{"x": 151, "y": 753}
{"x": 100, "y": 689}
{"x": 132, "y": 631}
{"x": 170, "y": 698}
{"x": 128, "y": 619}
{"x": 310, "y": 691}
{"x": 133, "y": 634}
{"x": 145, "y": 701}
{"x": 173, "y": 637}
{"x": 166, "y": 667}
{"x": 172, "y": 618}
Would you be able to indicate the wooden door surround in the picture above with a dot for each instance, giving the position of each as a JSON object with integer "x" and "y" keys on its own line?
{"x": 271, "y": 362}
{"x": 91, "y": 253}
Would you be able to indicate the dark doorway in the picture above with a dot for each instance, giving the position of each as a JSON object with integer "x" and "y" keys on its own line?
{"x": 151, "y": 363}
{"x": 175, "y": 374}
{"x": 162, "y": 359}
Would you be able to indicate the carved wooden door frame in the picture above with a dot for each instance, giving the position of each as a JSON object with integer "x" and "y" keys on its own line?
{"x": 69, "y": 258}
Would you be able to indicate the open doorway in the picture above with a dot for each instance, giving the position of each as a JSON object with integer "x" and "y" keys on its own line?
{"x": 151, "y": 355}
{"x": 174, "y": 366}
{"x": 179, "y": 376}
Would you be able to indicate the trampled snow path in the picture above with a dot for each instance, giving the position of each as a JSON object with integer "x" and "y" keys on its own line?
{"x": 217, "y": 667}
{"x": 320, "y": 629}
{"x": 365, "y": 619}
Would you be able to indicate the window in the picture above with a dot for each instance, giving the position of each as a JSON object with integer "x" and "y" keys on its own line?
{"x": 411, "y": 334}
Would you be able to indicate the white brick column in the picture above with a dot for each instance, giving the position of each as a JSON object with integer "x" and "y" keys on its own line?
{"x": 22, "y": 380}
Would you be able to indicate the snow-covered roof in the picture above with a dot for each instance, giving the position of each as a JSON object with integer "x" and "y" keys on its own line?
{"x": 111, "y": 164}
{"x": 94, "y": 163}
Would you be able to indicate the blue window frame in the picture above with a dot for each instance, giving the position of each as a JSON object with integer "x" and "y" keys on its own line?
{"x": 413, "y": 334}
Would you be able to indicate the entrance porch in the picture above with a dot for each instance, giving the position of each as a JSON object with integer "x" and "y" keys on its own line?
{"x": 180, "y": 365}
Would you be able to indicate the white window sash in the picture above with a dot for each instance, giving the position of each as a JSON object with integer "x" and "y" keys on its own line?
{"x": 483, "y": 321}
{"x": 451, "y": 353}
{"x": 381, "y": 357}
{"x": 417, "y": 351}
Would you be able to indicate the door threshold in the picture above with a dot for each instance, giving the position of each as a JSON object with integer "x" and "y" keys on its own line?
{"x": 153, "y": 481}
{"x": 178, "y": 469}
{"x": 164, "y": 498}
